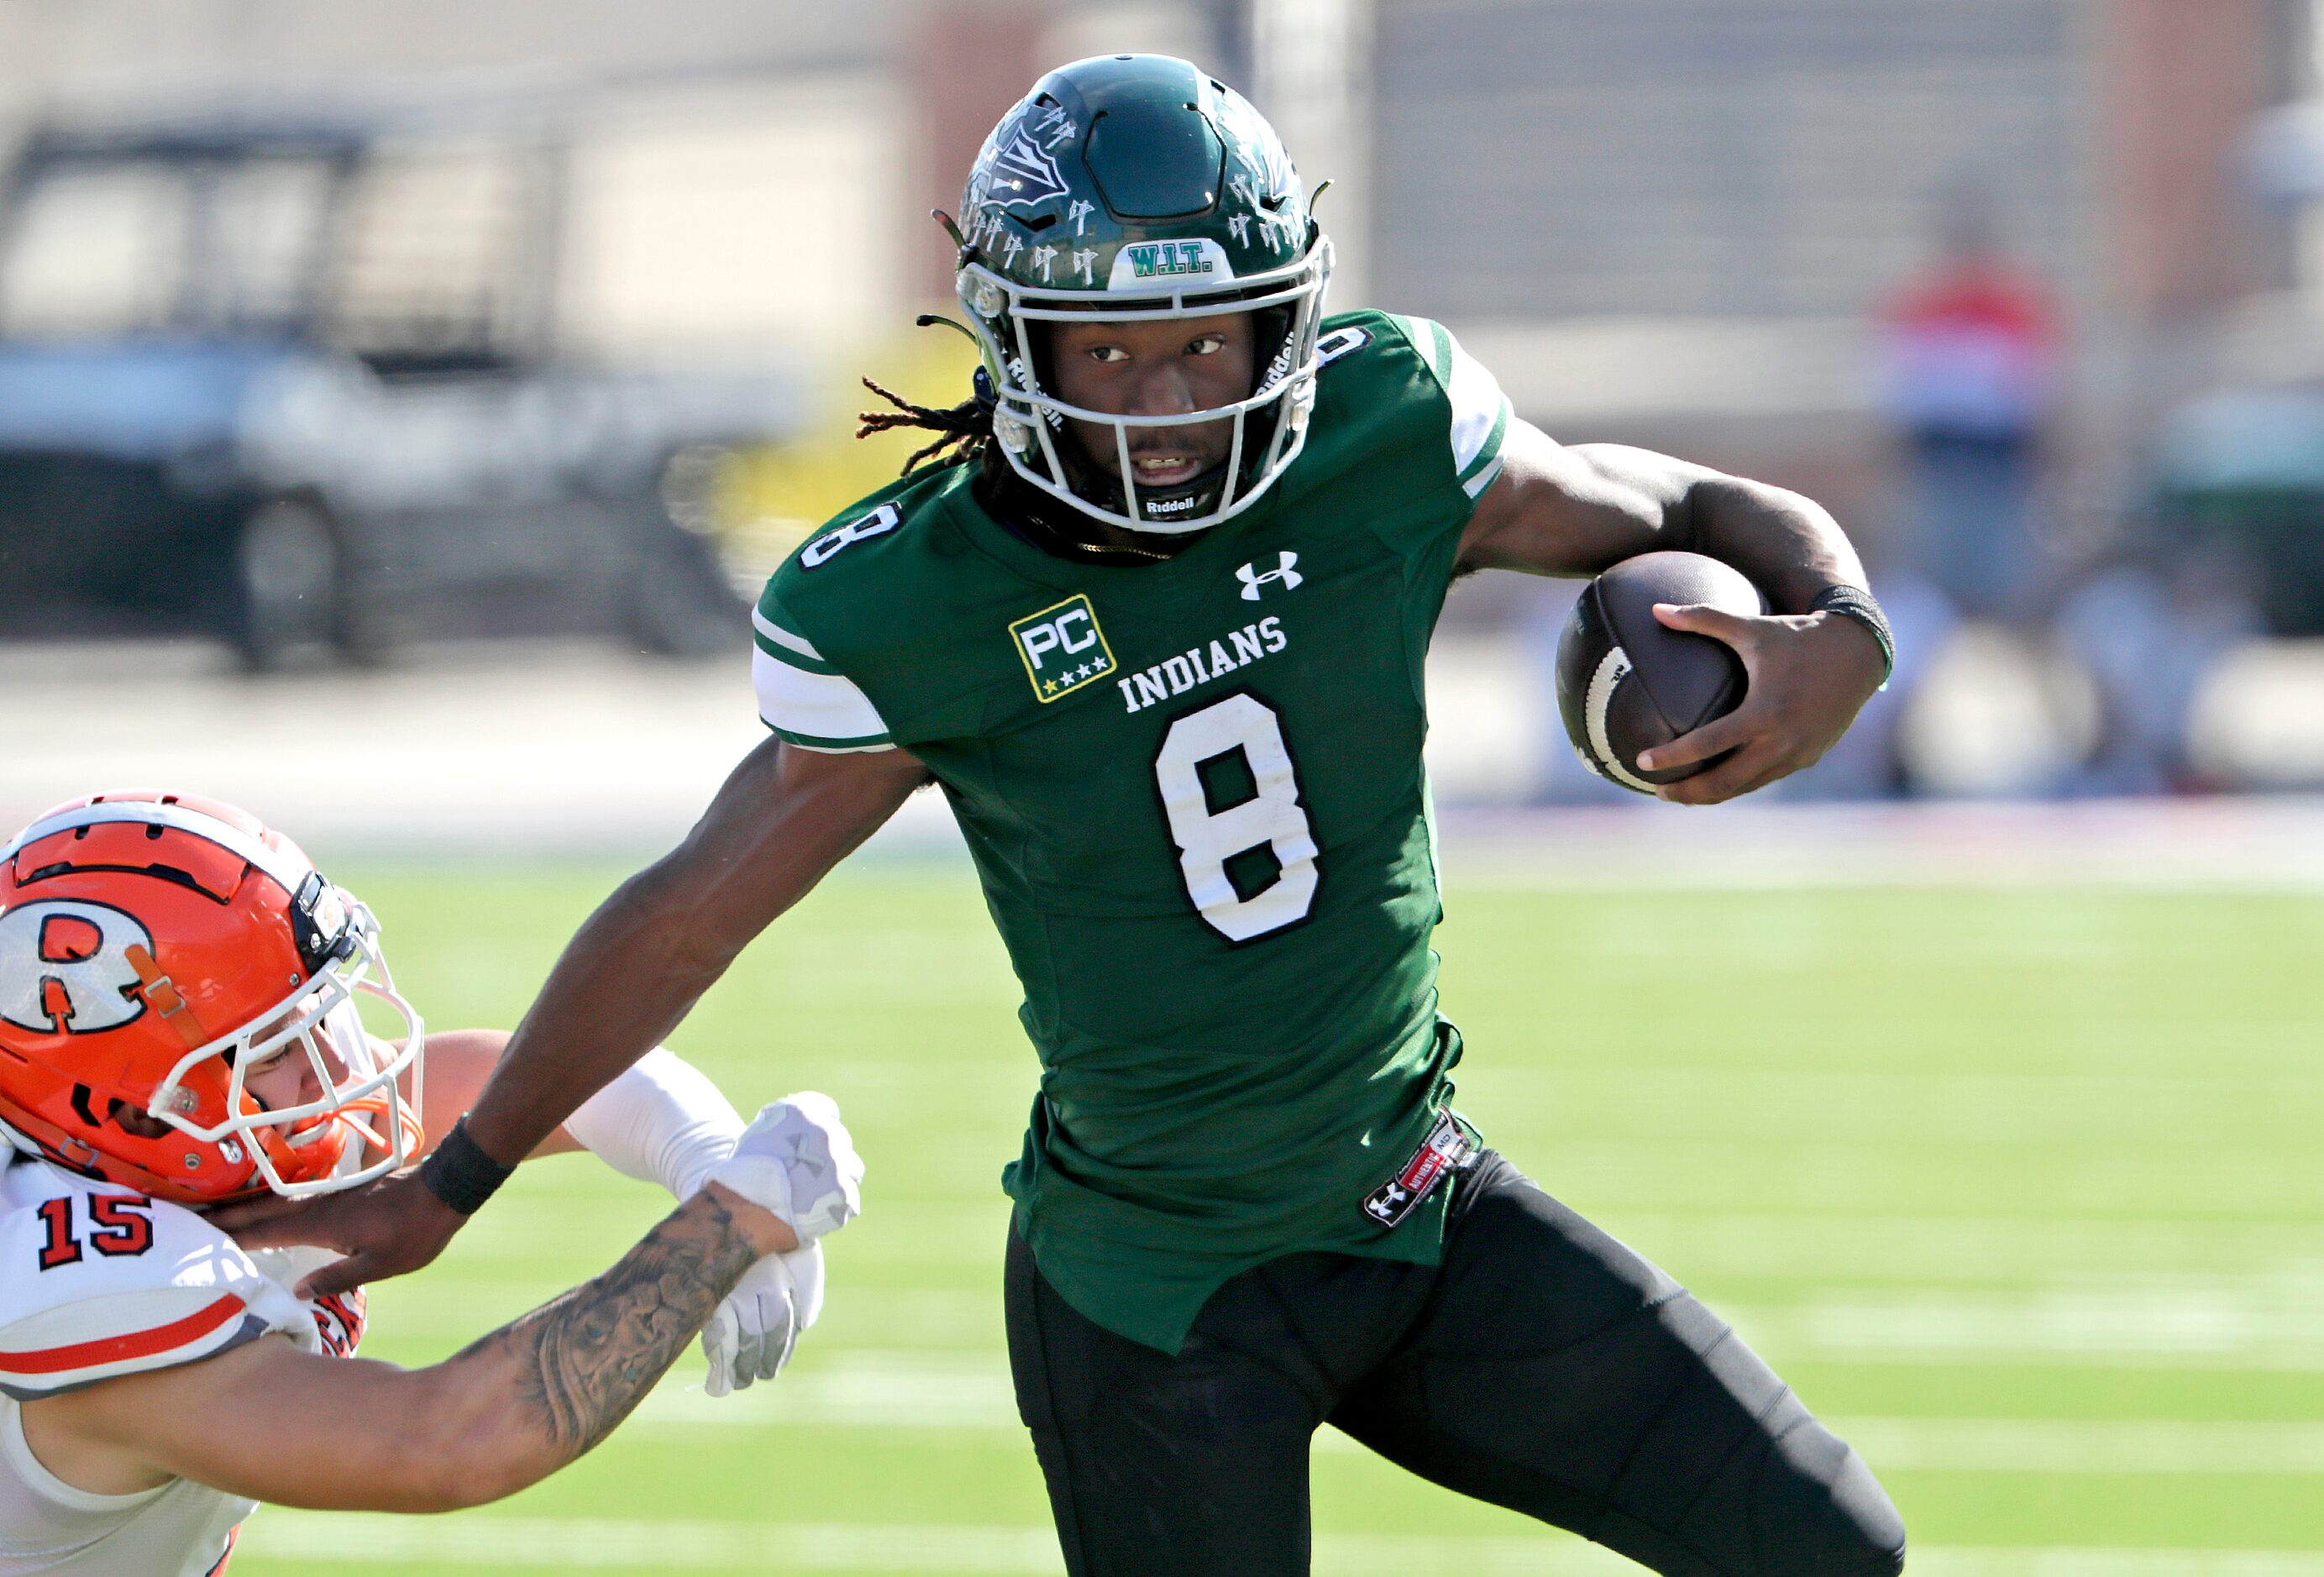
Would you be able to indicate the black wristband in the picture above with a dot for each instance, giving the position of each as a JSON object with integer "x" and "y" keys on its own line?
{"x": 459, "y": 1173}
{"x": 1853, "y": 601}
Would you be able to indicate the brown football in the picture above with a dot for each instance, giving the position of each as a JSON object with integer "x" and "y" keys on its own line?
{"x": 1627, "y": 683}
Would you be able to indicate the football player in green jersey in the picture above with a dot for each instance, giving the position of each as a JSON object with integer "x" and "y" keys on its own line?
{"x": 1158, "y": 628}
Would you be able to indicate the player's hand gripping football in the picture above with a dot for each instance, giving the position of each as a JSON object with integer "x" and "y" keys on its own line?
{"x": 1808, "y": 673}
{"x": 799, "y": 1161}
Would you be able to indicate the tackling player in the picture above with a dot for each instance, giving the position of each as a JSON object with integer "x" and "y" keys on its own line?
{"x": 178, "y": 1028}
{"x": 1159, "y": 631}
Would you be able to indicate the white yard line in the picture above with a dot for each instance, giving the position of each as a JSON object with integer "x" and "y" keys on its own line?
{"x": 2271, "y": 1322}
{"x": 2051, "y": 1445}
{"x": 531, "y": 748}
{"x": 518, "y": 1543}
{"x": 2267, "y": 844}
{"x": 917, "y": 1391}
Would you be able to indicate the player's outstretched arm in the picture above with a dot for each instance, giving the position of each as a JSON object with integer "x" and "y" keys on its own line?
{"x": 783, "y": 818}
{"x": 659, "y": 1120}
{"x": 270, "y": 1421}
{"x": 781, "y": 821}
{"x": 1577, "y": 511}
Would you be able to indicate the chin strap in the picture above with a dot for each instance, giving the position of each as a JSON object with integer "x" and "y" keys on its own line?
{"x": 367, "y": 1117}
{"x": 164, "y": 999}
{"x": 1032, "y": 515}
{"x": 13, "y": 1142}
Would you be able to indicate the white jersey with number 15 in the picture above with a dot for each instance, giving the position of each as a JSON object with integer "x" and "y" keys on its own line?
{"x": 97, "y": 1282}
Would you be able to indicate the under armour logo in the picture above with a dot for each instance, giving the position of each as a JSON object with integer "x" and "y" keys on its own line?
{"x": 1388, "y": 1202}
{"x": 1252, "y": 579}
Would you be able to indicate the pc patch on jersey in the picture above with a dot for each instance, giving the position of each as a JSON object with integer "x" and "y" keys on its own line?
{"x": 1061, "y": 647}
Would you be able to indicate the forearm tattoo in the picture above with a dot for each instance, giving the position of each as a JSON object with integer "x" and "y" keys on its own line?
{"x": 586, "y": 1360}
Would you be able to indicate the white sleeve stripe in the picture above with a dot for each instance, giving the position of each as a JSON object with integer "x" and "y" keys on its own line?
{"x": 1479, "y": 410}
{"x": 811, "y": 708}
{"x": 1440, "y": 350}
{"x": 1490, "y": 454}
{"x": 1475, "y": 486}
{"x": 782, "y": 637}
{"x": 827, "y": 748}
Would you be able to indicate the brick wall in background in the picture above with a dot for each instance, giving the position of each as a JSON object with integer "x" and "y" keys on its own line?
{"x": 1705, "y": 158}
{"x": 2180, "y": 81}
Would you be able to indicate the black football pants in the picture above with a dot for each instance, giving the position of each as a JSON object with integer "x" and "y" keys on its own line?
{"x": 1543, "y": 1367}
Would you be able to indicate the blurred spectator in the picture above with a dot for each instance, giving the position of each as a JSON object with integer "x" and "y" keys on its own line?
{"x": 2149, "y": 635}
{"x": 1967, "y": 357}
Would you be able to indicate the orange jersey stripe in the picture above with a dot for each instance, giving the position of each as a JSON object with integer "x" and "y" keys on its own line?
{"x": 114, "y": 1349}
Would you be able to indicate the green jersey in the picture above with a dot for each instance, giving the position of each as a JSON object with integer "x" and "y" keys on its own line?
{"x": 1194, "y": 792}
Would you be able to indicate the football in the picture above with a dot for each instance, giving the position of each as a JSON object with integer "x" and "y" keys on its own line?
{"x": 1626, "y": 683}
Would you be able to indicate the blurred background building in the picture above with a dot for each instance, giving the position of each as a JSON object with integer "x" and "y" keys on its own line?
{"x": 544, "y": 317}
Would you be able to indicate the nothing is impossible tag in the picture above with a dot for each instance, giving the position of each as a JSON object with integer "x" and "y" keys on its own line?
{"x": 1447, "y": 1149}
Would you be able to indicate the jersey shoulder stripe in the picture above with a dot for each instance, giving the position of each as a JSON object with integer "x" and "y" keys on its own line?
{"x": 1480, "y": 412}
{"x": 862, "y": 603}
{"x": 204, "y": 1330}
{"x": 803, "y": 698}
{"x": 786, "y": 645}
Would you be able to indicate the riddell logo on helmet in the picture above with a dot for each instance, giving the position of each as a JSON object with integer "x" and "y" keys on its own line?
{"x": 65, "y": 969}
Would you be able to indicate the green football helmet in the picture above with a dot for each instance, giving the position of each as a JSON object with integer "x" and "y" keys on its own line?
{"x": 1134, "y": 186}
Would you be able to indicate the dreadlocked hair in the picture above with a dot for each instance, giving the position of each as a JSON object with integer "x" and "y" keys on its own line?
{"x": 964, "y": 429}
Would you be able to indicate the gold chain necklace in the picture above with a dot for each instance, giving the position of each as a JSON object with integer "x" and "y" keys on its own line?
{"x": 1122, "y": 548}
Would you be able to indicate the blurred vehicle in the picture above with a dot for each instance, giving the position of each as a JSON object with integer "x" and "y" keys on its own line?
{"x": 2240, "y": 471}
{"x": 294, "y": 384}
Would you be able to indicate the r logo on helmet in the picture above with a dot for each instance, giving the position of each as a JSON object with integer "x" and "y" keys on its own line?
{"x": 65, "y": 969}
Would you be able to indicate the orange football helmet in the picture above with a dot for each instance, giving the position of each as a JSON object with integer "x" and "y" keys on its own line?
{"x": 154, "y": 949}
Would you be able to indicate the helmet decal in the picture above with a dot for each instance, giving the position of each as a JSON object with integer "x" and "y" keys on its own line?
{"x": 1163, "y": 260}
{"x": 65, "y": 966}
{"x": 1020, "y": 173}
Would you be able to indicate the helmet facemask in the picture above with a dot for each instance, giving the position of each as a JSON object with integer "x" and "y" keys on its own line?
{"x": 1270, "y": 426}
{"x": 299, "y": 1150}
{"x": 1139, "y": 188}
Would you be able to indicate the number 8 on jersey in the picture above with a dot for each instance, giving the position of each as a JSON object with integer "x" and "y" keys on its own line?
{"x": 1269, "y": 815}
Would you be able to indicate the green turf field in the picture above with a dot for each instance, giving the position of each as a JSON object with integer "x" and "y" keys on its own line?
{"x": 2022, "y": 1190}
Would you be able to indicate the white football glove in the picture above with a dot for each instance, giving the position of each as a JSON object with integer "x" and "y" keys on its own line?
{"x": 755, "y": 1331}
{"x": 796, "y": 1160}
